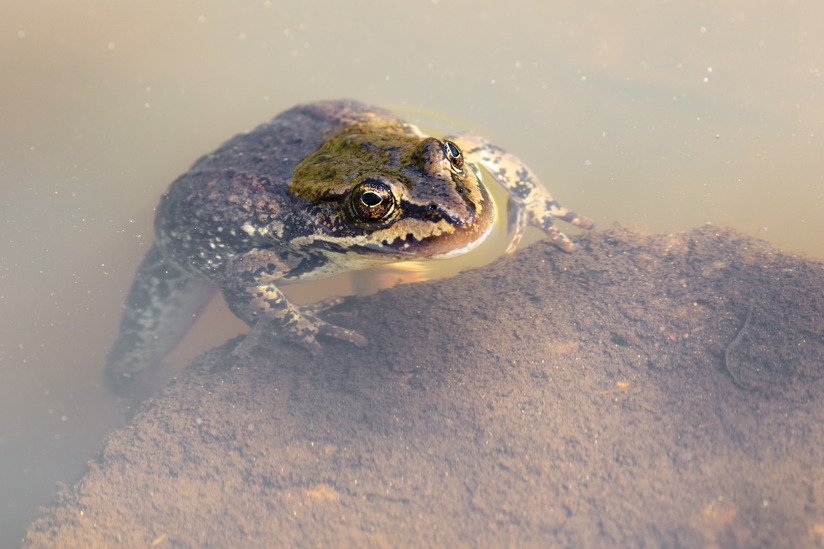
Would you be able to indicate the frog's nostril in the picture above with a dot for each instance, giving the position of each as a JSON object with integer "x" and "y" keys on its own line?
{"x": 434, "y": 212}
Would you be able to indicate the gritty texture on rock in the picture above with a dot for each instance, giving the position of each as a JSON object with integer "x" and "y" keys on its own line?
{"x": 644, "y": 391}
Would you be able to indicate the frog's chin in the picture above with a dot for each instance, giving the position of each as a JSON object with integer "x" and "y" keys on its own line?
{"x": 467, "y": 246}
{"x": 439, "y": 247}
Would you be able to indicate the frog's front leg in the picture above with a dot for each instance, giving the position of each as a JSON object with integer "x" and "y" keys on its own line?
{"x": 533, "y": 204}
{"x": 264, "y": 307}
{"x": 159, "y": 310}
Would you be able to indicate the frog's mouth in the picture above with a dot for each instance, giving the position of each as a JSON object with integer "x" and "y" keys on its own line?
{"x": 410, "y": 236}
{"x": 432, "y": 237}
{"x": 471, "y": 245}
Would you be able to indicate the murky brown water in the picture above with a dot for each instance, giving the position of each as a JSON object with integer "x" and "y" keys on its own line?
{"x": 647, "y": 113}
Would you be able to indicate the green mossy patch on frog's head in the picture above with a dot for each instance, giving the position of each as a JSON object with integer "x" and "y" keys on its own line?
{"x": 353, "y": 152}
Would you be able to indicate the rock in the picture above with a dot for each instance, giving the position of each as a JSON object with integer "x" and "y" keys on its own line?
{"x": 645, "y": 390}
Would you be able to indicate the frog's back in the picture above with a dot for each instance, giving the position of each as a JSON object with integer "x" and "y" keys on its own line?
{"x": 242, "y": 186}
{"x": 275, "y": 147}
{"x": 268, "y": 154}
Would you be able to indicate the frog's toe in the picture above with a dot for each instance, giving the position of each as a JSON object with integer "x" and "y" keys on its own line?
{"x": 580, "y": 221}
{"x": 553, "y": 210}
{"x": 311, "y": 346}
{"x": 559, "y": 239}
{"x": 268, "y": 333}
{"x": 314, "y": 348}
{"x": 573, "y": 218}
{"x": 344, "y": 334}
{"x": 321, "y": 306}
{"x": 307, "y": 340}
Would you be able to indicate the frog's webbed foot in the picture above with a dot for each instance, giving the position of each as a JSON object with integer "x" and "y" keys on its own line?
{"x": 531, "y": 202}
{"x": 540, "y": 214}
{"x": 275, "y": 319}
{"x": 327, "y": 329}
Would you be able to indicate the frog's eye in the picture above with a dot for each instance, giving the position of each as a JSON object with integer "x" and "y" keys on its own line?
{"x": 372, "y": 200}
{"x": 454, "y": 155}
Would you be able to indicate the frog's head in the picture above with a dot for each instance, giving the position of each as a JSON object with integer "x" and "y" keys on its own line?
{"x": 383, "y": 189}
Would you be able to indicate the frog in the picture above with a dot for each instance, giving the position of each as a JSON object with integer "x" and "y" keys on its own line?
{"x": 323, "y": 188}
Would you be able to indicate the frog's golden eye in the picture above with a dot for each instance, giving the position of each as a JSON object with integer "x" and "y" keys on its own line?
{"x": 372, "y": 200}
{"x": 454, "y": 155}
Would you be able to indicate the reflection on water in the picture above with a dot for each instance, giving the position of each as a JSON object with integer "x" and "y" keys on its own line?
{"x": 665, "y": 116}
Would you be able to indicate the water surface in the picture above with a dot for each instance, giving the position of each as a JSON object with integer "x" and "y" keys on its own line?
{"x": 659, "y": 114}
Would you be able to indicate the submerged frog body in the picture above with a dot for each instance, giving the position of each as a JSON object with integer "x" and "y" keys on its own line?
{"x": 323, "y": 188}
